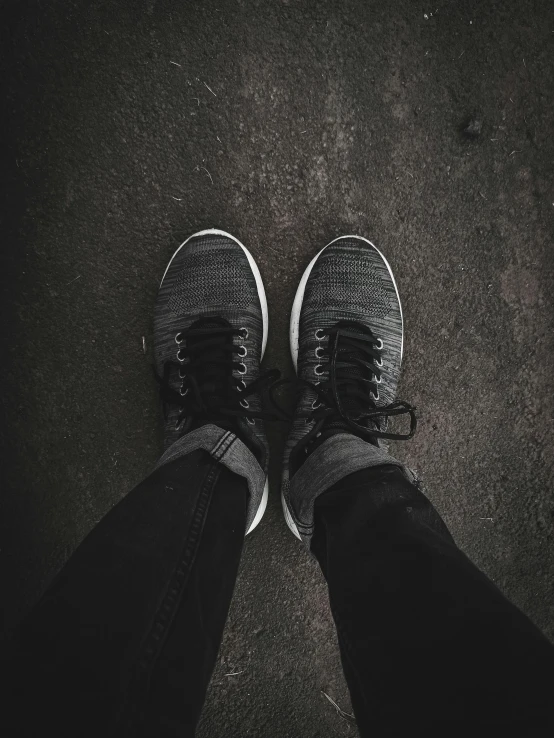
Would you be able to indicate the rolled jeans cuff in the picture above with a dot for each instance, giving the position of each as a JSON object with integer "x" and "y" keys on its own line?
{"x": 230, "y": 451}
{"x": 336, "y": 458}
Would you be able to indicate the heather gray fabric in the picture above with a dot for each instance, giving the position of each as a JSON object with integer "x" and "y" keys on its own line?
{"x": 230, "y": 451}
{"x": 210, "y": 276}
{"x": 336, "y": 458}
{"x": 349, "y": 281}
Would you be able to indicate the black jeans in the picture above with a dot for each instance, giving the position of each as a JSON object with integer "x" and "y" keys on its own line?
{"x": 128, "y": 633}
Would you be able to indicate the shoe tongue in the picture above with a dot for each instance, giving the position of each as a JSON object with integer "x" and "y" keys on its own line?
{"x": 358, "y": 374}
{"x": 350, "y": 405}
{"x": 209, "y": 386}
{"x": 216, "y": 373}
{"x": 212, "y": 382}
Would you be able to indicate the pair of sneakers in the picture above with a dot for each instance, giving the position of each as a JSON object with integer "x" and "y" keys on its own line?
{"x": 346, "y": 340}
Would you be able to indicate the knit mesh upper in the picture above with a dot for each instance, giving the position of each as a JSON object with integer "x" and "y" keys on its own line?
{"x": 346, "y": 283}
{"x": 206, "y": 277}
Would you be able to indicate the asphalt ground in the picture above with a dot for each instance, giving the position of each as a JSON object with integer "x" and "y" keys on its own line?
{"x": 128, "y": 126}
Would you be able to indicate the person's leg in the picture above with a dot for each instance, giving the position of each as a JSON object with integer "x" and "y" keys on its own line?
{"x": 125, "y": 639}
{"x": 429, "y": 645}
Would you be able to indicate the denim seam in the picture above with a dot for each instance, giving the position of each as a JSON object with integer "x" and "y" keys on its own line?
{"x": 165, "y": 614}
{"x": 223, "y": 446}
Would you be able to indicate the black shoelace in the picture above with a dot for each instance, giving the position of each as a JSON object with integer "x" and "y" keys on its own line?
{"x": 207, "y": 358}
{"x": 347, "y": 397}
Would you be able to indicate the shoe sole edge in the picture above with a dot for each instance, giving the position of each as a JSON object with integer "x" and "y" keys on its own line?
{"x": 288, "y": 518}
{"x": 261, "y": 509}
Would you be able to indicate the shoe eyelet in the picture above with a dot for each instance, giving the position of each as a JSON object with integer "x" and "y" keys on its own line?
{"x": 243, "y": 333}
{"x": 244, "y": 403}
{"x": 379, "y": 346}
{"x": 179, "y": 422}
{"x": 240, "y": 388}
{"x": 378, "y": 381}
{"x": 316, "y": 367}
{"x": 179, "y": 359}
{"x": 375, "y": 397}
{"x": 319, "y": 334}
{"x": 379, "y": 363}
{"x": 183, "y": 394}
{"x": 178, "y": 338}
{"x": 316, "y": 404}
{"x": 242, "y": 355}
{"x": 245, "y": 368}
{"x": 250, "y": 421}
{"x": 318, "y": 352}
{"x": 181, "y": 375}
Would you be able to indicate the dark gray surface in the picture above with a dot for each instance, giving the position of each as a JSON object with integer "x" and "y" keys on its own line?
{"x": 327, "y": 117}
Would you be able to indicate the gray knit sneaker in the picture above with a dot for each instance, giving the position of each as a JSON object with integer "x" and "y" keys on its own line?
{"x": 346, "y": 339}
{"x": 210, "y": 333}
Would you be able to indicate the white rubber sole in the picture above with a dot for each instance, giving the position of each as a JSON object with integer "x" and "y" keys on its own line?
{"x": 261, "y": 509}
{"x": 253, "y": 266}
{"x": 265, "y": 318}
{"x": 294, "y": 334}
{"x": 288, "y": 518}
